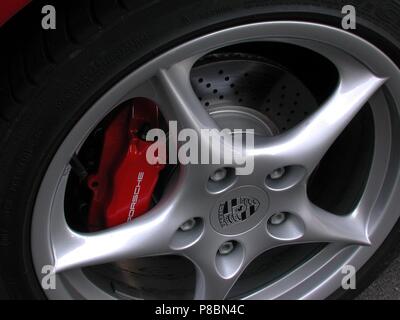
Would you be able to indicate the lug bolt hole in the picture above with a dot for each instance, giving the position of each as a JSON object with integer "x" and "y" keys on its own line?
{"x": 285, "y": 178}
{"x": 285, "y": 226}
{"x": 219, "y": 175}
{"x": 187, "y": 234}
{"x": 221, "y": 180}
{"x": 277, "y": 174}
{"x": 226, "y": 248}
{"x": 277, "y": 219}
{"x": 188, "y": 225}
{"x": 229, "y": 258}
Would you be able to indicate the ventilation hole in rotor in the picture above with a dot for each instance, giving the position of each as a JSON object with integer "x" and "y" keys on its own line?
{"x": 232, "y": 85}
{"x": 200, "y": 98}
{"x": 201, "y": 80}
{"x": 237, "y": 92}
{"x": 221, "y": 72}
{"x": 298, "y": 94}
{"x": 295, "y": 103}
{"x": 221, "y": 97}
{"x": 278, "y": 114}
{"x": 208, "y": 85}
{"x": 227, "y": 79}
{"x": 215, "y": 91}
{"x": 246, "y": 75}
{"x": 207, "y": 104}
{"x": 268, "y": 109}
{"x": 240, "y": 100}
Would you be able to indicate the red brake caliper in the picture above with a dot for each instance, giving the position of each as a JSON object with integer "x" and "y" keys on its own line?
{"x": 125, "y": 181}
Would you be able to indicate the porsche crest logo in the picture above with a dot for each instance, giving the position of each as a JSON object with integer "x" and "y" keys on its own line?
{"x": 236, "y": 210}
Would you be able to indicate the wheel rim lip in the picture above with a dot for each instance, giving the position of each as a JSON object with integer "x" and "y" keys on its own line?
{"x": 283, "y": 31}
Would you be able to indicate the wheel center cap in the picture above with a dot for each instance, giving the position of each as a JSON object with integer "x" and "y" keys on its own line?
{"x": 239, "y": 210}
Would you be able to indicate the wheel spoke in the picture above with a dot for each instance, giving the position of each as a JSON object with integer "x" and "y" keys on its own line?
{"x": 210, "y": 283}
{"x": 216, "y": 274}
{"x": 147, "y": 236}
{"x": 178, "y": 100}
{"x": 307, "y": 143}
{"x": 322, "y": 226}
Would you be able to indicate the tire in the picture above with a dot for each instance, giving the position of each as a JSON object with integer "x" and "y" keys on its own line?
{"x": 49, "y": 79}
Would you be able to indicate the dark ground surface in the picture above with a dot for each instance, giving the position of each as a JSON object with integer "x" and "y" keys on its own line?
{"x": 387, "y": 286}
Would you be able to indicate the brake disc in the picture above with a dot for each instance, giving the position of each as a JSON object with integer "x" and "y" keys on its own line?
{"x": 235, "y": 79}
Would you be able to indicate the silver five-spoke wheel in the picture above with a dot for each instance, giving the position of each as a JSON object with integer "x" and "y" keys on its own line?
{"x": 186, "y": 83}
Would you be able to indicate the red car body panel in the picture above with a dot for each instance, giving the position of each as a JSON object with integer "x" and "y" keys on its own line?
{"x": 8, "y": 8}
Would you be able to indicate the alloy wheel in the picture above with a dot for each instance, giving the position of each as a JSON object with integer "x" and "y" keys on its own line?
{"x": 287, "y": 160}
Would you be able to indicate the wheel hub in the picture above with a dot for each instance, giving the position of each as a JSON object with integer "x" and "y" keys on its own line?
{"x": 239, "y": 119}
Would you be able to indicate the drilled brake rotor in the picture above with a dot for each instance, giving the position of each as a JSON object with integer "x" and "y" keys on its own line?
{"x": 234, "y": 79}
